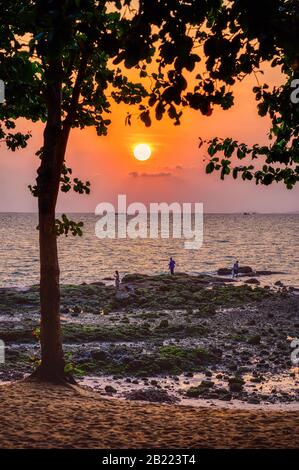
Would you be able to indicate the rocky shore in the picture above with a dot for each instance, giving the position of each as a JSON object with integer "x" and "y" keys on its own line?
{"x": 165, "y": 338}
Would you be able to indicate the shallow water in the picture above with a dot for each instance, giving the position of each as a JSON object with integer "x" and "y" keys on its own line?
{"x": 265, "y": 242}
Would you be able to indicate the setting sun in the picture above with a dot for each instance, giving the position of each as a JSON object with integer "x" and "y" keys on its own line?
{"x": 142, "y": 152}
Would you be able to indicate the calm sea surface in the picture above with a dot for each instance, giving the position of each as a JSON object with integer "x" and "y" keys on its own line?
{"x": 268, "y": 242}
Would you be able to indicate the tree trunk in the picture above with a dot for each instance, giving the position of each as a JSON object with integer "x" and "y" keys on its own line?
{"x": 52, "y": 364}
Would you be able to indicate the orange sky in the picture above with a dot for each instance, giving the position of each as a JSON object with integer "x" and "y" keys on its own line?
{"x": 175, "y": 171}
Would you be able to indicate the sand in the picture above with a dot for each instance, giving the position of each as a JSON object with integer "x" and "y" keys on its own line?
{"x": 45, "y": 416}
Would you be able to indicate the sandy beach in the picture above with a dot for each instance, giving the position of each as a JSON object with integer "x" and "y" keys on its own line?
{"x": 45, "y": 416}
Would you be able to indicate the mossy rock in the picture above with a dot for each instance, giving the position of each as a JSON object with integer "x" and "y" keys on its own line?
{"x": 163, "y": 324}
{"x": 254, "y": 340}
{"x": 236, "y": 384}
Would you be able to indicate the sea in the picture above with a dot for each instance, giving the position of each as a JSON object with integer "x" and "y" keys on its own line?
{"x": 262, "y": 241}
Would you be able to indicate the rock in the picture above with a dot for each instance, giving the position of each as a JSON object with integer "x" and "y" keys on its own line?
{"x": 77, "y": 309}
{"x": 122, "y": 295}
{"x": 256, "y": 339}
{"x": 228, "y": 271}
{"x": 252, "y": 280}
{"x": 226, "y": 397}
{"x": 278, "y": 284}
{"x": 224, "y": 272}
{"x": 109, "y": 389}
{"x": 267, "y": 273}
{"x": 65, "y": 310}
{"x": 189, "y": 374}
{"x": 152, "y": 395}
{"x": 245, "y": 270}
{"x": 236, "y": 384}
{"x": 163, "y": 324}
{"x": 253, "y": 401}
{"x": 207, "y": 384}
{"x": 99, "y": 355}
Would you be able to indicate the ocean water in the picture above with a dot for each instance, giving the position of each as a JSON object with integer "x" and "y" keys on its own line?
{"x": 263, "y": 241}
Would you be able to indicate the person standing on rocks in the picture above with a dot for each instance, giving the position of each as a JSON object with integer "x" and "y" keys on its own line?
{"x": 171, "y": 265}
{"x": 235, "y": 270}
{"x": 117, "y": 280}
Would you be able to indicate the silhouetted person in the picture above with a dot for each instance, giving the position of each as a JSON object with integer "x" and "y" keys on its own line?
{"x": 117, "y": 280}
{"x": 235, "y": 270}
{"x": 171, "y": 265}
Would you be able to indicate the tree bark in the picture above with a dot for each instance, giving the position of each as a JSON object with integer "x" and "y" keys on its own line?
{"x": 48, "y": 180}
{"x": 55, "y": 142}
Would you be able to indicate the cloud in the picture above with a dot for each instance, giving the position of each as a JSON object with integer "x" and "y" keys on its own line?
{"x": 175, "y": 169}
{"x": 135, "y": 174}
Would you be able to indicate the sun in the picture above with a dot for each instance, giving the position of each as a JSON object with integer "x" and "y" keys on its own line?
{"x": 142, "y": 152}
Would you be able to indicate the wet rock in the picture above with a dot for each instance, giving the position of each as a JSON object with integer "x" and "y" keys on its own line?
{"x": 110, "y": 390}
{"x": 257, "y": 379}
{"x": 77, "y": 309}
{"x": 65, "y": 310}
{"x": 154, "y": 383}
{"x": 189, "y": 374}
{"x": 224, "y": 272}
{"x": 236, "y": 384}
{"x": 253, "y": 401}
{"x": 207, "y": 384}
{"x": 228, "y": 271}
{"x": 74, "y": 314}
{"x": 268, "y": 273}
{"x": 252, "y": 280}
{"x": 152, "y": 395}
{"x": 99, "y": 355}
{"x": 163, "y": 324}
{"x": 256, "y": 339}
